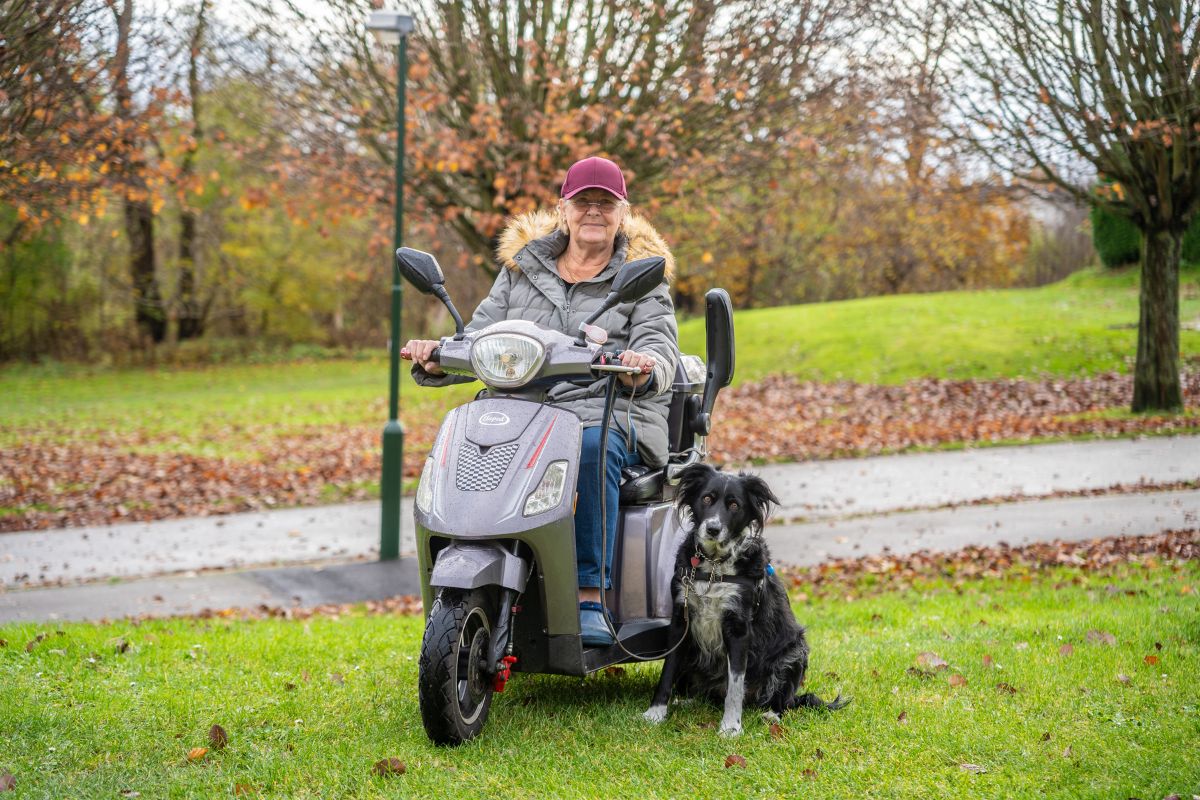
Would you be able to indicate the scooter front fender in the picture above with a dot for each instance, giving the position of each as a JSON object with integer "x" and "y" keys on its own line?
{"x": 469, "y": 566}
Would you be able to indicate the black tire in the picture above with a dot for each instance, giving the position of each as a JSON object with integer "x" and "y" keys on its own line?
{"x": 454, "y": 678}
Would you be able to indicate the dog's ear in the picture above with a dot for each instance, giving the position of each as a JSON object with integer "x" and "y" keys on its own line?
{"x": 760, "y": 495}
{"x": 691, "y": 482}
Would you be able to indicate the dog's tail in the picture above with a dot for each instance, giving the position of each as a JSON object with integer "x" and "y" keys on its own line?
{"x": 810, "y": 700}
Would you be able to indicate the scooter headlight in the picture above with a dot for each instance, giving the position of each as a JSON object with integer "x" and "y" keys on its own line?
{"x": 549, "y": 491}
{"x": 506, "y": 360}
{"x": 425, "y": 487}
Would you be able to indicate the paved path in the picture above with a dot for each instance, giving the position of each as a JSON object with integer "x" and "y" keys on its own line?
{"x": 845, "y": 508}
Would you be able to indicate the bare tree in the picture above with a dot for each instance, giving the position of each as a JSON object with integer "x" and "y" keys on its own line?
{"x": 1114, "y": 85}
{"x": 193, "y": 312}
{"x": 503, "y": 96}
{"x": 149, "y": 312}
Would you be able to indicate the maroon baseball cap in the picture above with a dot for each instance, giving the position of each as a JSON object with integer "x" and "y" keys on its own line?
{"x": 594, "y": 173}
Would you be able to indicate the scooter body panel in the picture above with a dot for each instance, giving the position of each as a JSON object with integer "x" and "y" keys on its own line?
{"x": 484, "y": 465}
{"x": 469, "y": 566}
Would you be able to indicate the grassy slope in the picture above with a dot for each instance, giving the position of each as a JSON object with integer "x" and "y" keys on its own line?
{"x": 1062, "y": 329}
{"x": 1085, "y": 324}
{"x": 78, "y": 728}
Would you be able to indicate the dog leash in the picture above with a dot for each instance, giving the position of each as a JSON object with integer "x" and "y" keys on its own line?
{"x": 689, "y": 579}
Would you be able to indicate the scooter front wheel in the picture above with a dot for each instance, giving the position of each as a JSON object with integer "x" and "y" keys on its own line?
{"x": 454, "y": 674}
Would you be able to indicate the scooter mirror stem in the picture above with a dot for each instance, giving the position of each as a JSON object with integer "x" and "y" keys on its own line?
{"x": 610, "y": 301}
{"x": 440, "y": 293}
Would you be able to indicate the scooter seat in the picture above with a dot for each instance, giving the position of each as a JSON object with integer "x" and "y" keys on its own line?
{"x": 642, "y": 485}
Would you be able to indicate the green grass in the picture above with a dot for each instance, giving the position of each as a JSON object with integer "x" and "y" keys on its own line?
{"x": 79, "y": 719}
{"x": 1083, "y": 325}
{"x": 1070, "y": 328}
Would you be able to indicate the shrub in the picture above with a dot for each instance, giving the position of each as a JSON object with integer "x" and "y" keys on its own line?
{"x": 1118, "y": 241}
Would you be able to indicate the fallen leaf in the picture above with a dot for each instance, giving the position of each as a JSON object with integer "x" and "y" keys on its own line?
{"x": 707, "y": 726}
{"x": 288, "y": 687}
{"x": 197, "y": 753}
{"x": 130, "y": 793}
{"x": 389, "y": 766}
{"x": 338, "y": 679}
{"x": 1046, "y": 736}
{"x": 243, "y": 790}
{"x": 975, "y": 768}
{"x": 7, "y": 782}
{"x": 1021, "y": 646}
{"x": 1101, "y": 637}
{"x": 931, "y": 660}
{"x": 735, "y": 761}
{"x": 1067, "y": 751}
{"x": 1006, "y": 687}
{"x": 217, "y": 737}
{"x": 615, "y": 672}
{"x": 1066, "y": 650}
{"x": 988, "y": 661}
{"x": 957, "y": 680}
{"x": 1157, "y": 645}
{"x": 1123, "y": 678}
{"x": 3, "y": 642}
{"x": 1151, "y": 660}
{"x": 820, "y": 754}
{"x": 923, "y": 674}
{"x": 903, "y": 718}
{"x": 776, "y": 730}
{"x": 809, "y": 773}
{"x": 304, "y": 676}
{"x": 120, "y": 645}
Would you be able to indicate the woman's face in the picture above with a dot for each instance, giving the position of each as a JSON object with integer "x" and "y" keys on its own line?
{"x": 593, "y": 217}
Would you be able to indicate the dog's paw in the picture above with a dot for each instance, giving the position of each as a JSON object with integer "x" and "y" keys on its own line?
{"x": 730, "y": 730}
{"x": 655, "y": 714}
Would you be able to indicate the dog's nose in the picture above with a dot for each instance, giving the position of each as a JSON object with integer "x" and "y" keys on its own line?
{"x": 711, "y": 525}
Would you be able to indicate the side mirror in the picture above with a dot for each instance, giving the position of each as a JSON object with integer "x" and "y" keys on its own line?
{"x": 719, "y": 349}
{"x": 635, "y": 280}
{"x": 420, "y": 269}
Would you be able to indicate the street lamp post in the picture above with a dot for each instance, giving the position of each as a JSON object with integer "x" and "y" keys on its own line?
{"x": 391, "y": 28}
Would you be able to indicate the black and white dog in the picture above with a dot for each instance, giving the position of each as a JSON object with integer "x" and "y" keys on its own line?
{"x": 743, "y": 643}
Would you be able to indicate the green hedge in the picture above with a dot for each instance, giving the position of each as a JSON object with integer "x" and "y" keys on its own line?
{"x": 1118, "y": 241}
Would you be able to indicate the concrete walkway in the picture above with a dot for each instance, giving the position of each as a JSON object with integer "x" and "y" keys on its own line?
{"x": 830, "y": 509}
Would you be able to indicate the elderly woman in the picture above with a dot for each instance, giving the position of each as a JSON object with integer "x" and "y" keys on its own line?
{"x": 558, "y": 268}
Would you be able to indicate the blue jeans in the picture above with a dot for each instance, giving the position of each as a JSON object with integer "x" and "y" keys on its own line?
{"x": 587, "y": 509}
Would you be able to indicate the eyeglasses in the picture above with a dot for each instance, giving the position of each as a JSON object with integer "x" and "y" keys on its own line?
{"x": 605, "y": 206}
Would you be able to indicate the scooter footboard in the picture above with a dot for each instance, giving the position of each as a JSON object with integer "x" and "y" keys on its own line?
{"x": 469, "y": 566}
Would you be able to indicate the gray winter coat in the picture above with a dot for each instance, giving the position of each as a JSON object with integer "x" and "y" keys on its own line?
{"x": 529, "y": 287}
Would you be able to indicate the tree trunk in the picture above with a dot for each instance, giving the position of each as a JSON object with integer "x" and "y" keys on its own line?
{"x": 191, "y": 312}
{"x": 147, "y": 302}
{"x": 1156, "y": 376}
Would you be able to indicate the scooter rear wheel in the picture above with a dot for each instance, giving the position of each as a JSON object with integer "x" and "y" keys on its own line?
{"x": 454, "y": 674}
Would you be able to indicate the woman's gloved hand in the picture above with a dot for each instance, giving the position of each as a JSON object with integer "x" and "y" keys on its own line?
{"x": 420, "y": 351}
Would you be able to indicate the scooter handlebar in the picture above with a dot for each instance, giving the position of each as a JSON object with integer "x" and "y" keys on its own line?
{"x": 610, "y": 361}
{"x": 435, "y": 356}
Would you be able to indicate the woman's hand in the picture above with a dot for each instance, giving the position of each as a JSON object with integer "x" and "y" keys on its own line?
{"x": 420, "y": 351}
{"x": 632, "y": 358}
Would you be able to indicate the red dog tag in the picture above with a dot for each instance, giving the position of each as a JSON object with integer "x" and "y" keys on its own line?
{"x": 695, "y": 561}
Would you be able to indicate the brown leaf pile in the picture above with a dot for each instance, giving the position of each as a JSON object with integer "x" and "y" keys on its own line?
{"x": 58, "y": 479}
{"x": 888, "y": 571}
{"x": 783, "y": 418}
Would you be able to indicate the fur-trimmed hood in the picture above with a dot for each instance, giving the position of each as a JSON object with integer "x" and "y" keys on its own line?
{"x": 644, "y": 240}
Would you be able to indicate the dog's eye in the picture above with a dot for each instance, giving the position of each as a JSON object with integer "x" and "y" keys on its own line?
{"x": 707, "y": 500}
{"x": 733, "y": 505}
